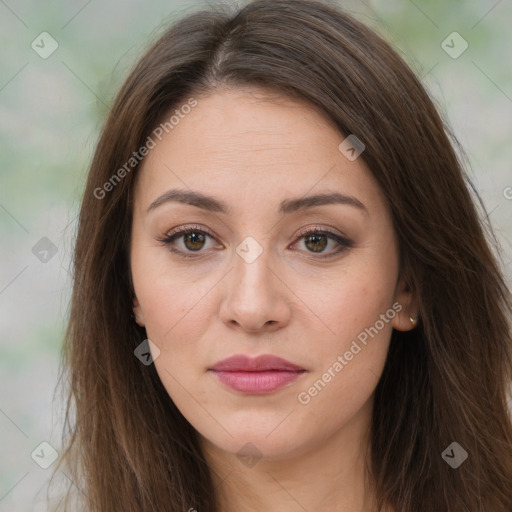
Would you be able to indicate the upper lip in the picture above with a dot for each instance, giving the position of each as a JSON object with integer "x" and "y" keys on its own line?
{"x": 261, "y": 363}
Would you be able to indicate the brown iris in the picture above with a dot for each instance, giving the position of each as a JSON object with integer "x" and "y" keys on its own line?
{"x": 319, "y": 242}
{"x": 196, "y": 239}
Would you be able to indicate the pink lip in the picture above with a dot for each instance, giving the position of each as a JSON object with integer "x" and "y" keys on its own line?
{"x": 259, "y": 375}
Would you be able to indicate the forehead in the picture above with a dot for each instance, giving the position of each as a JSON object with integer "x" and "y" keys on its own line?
{"x": 252, "y": 145}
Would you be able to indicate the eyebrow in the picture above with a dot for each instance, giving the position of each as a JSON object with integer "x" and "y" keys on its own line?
{"x": 287, "y": 206}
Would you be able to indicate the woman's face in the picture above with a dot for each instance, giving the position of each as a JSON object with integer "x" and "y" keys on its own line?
{"x": 265, "y": 270}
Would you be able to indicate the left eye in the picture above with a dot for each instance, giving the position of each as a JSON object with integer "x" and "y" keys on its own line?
{"x": 317, "y": 240}
{"x": 194, "y": 239}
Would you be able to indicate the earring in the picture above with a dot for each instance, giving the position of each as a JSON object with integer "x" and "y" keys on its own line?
{"x": 414, "y": 321}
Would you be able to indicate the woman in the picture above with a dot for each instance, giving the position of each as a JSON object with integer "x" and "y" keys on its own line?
{"x": 284, "y": 298}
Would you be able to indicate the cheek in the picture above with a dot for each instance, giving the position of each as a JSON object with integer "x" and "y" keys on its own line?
{"x": 177, "y": 311}
{"x": 172, "y": 301}
{"x": 357, "y": 309}
{"x": 353, "y": 302}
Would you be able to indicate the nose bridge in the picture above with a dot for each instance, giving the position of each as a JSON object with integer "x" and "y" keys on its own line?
{"x": 252, "y": 295}
{"x": 251, "y": 263}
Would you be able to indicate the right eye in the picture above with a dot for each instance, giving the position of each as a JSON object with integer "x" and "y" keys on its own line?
{"x": 193, "y": 240}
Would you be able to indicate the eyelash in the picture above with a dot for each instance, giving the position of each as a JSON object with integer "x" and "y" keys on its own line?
{"x": 345, "y": 243}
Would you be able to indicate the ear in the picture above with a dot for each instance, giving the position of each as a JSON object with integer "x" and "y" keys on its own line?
{"x": 139, "y": 317}
{"x": 408, "y": 299}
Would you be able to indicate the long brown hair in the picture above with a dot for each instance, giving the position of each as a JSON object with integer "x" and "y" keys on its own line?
{"x": 129, "y": 447}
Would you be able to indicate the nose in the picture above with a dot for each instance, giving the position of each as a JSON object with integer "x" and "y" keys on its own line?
{"x": 255, "y": 296}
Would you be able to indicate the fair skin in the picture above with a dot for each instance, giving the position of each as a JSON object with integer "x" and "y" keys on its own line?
{"x": 252, "y": 153}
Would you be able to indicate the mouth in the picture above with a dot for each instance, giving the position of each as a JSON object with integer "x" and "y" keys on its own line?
{"x": 260, "y": 375}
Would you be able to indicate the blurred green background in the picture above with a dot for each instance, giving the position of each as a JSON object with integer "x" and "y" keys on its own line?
{"x": 51, "y": 111}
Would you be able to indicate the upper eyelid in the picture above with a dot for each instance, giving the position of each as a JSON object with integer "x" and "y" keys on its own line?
{"x": 304, "y": 232}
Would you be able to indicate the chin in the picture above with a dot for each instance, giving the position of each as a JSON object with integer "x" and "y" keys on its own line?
{"x": 250, "y": 443}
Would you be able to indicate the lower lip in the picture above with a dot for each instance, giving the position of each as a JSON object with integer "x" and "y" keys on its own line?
{"x": 256, "y": 383}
